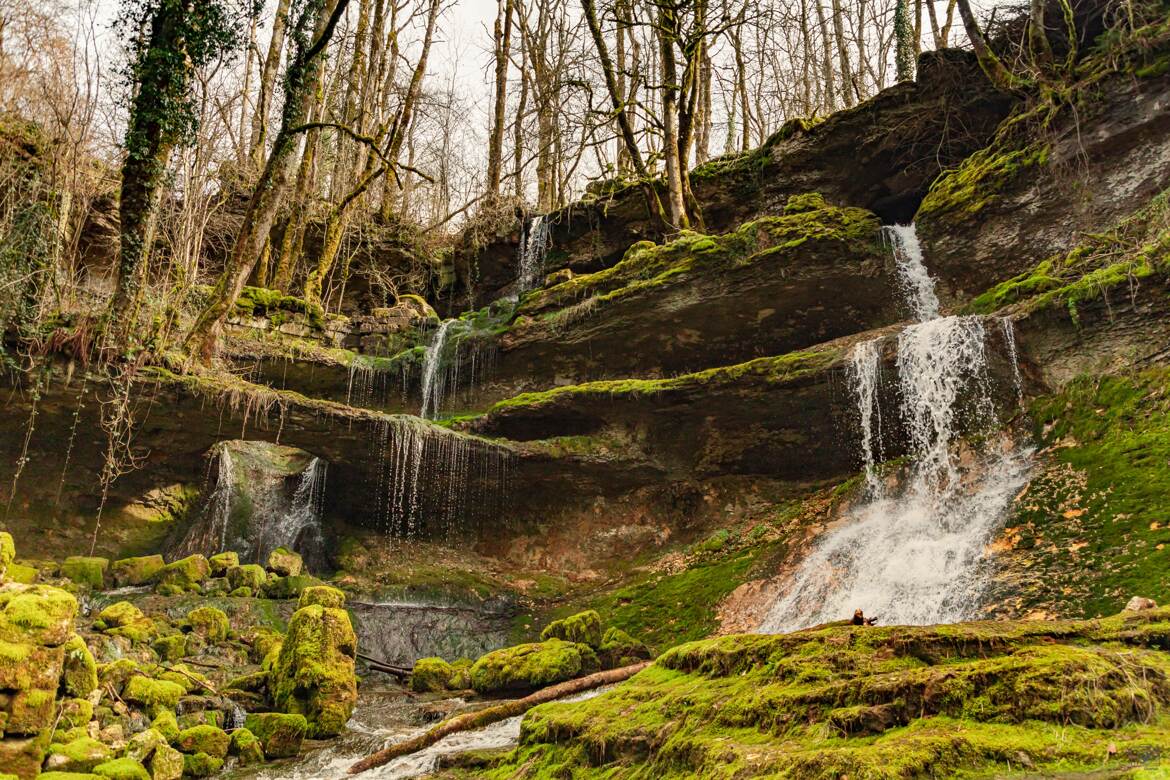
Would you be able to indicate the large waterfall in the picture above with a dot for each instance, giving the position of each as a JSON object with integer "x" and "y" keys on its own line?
{"x": 915, "y": 553}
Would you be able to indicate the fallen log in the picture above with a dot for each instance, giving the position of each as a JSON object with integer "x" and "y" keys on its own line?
{"x": 382, "y": 666}
{"x": 485, "y": 717}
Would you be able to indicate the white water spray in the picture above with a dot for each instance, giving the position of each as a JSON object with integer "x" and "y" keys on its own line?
{"x": 300, "y": 526}
{"x": 917, "y": 556}
{"x": 533, "y": 249}
{"x": 434, "y": 379}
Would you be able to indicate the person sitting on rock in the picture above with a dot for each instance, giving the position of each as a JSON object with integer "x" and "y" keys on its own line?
{"x": 859, "y": 619}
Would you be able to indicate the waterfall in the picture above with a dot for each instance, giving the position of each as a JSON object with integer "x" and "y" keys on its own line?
{"x": 299, "y": 527}
{"x": 916, "y": 554}
{"x": 434, "y": 379}
{"x": 533, "y": 248}
{"x": 220, "y": 503}
{"x": 435, "y": 482}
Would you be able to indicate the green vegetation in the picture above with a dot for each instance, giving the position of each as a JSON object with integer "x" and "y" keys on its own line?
{"x": 1093, "y": 528}
{"x": 314, "y": 673}
{"x": 871, "y": 702}
{"x": 583, "y": 628}
{"x": 534, "y": 665}
{"x": 431, "y": 675}
{"x": 979, "y": 181}
{"x": 261, "y": 302}
{"x": 1138, "y": 247}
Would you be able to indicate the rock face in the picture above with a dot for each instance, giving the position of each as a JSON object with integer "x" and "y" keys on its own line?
{"x": 881, "y": 155}
{"x": 1023, "y": 200}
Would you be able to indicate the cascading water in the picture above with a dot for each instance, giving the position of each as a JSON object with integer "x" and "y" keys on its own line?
{"x": 434, "y": 380}
{"x": 300, "y": 526}
{"x": 916, "y": 555}
{"x": 533, "y": 249}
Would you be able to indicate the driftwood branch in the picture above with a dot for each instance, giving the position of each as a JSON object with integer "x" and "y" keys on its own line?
{"x": 485, "y": 717}
{"x": 382, "y": 666}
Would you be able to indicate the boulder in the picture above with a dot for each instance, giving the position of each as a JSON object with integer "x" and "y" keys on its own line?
{"x": 284, "y": 562}
{"x": 186, "y": 574}
{"x": 584, "y": 627}
{"x": 85, "y": 570}
{"x": 201, "y": 765}
{"x": 314, "y": 673}
{"x": 79, "y": 755}
{"x": 166, "y": 764}
{"x": 1139, "y": 603}
{"x": 136, "y": 571}
{"x": 323, "y": 595}
{"x": 431, "y": 675}
{"x": 122, "y": 769}
{"x": 246, "y": 747}
{"x": 281, "y": 734}
{"x": 153, "y": 695}
{"x": 204, "y": 739}
{"x": 221, "y": 563}
{"x": 533, "y": 665}
{"x": 209, "y": 622}
{"x": 250, "y": 576}
{"x": 40, "y": 614}
{"x": 620, "y": 649}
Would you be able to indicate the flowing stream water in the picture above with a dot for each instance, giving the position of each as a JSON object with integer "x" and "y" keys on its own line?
{"x": 915, "y": 553}
{"x": 534, "y": 245}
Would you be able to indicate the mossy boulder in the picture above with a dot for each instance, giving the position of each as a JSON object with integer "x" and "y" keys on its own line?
{"x": 250, "y": 575}
{"x": 246, "y": 747}
{"x": 122, "y": 769}
{"x": 204, "y": 739}
{"x": 171, "y": 647}
{"x": 143, "y": 744}
{"x": 167, "y": 724}
{"x": 30, "y": 711}
{"x": 154, "y": 695}
{"x": 284, "y": 562}
{"x": 324, "y": 595}
{"x": 314, "y": 673}
{"x": 85, "y": 570}
{"x": 290, "y": 587}
{"x": 431, "y": 675}
{"x": 7, "y": 554}
{"x": 584, "y": 627}
{"x": 40, "y": 614}
{"x": 142, "y": 570}
{"x": 121, "y": 613}
{"x": 201, "y": 765}
{"x": 166, "y": 763}
{"x": 186, "y": 574}
{"x": 221, "y": 563}
{"x": 532, "y": 665}
{"x": 281, "y": 734}
{"x": 25, "y": 575}
{"x": 209, "y": 622}
{"x": 79, "y": 755}
{"x": 74, "y": 713}
{"x": 117, "y": 673}
{"x": 620, "y": 649}
{"x": 24, "y": 665}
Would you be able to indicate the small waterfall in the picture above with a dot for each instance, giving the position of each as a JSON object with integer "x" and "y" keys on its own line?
{"x": 916, "y": 555}
{"x": 299, "y": 528}
{"x": 434, "y": 379}
{"x": 433, "y": 482}
{"x": 534, "y": 245}
{"x": 220, "y": 503}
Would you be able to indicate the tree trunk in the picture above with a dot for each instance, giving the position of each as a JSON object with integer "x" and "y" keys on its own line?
{"x": 676, "y": 195}
{"x": 847, "y": 87}
{"x": 496, "y": 142}
{"x": 904, "y": 41}
{"x": 616, "y": 97}
{"x": 304, "y": 71}
{"x": 494, "y": 714}
{"x": 268, "y": 84}
{"x": 826, "y": 60}
{"x": 999, "y": 75}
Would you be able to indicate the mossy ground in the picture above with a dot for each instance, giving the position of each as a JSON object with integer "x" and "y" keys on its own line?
{"x": 1093, "y": 528}
{"x": 863, "y": 702}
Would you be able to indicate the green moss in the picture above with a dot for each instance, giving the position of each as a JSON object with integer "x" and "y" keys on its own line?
{"x": 136, "y": 571}
{"x": 79, "y": 755}
{"x": 533, "y": 665}
{"x": 7, "y": 554}
{"x": 186, "y": 574}
{"x": 281, "y": 734}
{"x": 247, "y": 748}
{"x": 201, "y": 765}
{"x": 121, "y": 613}
{"x": 204, "y": 739}
{"x": 1093, "y": 528}
{"x": 209, "y": 622}
{"x": 323, "y": 595}
{"x": 965, "y": 191}
{"x": 431, "y": 675}
{"x": 84, "y": 570}
{"x": 170, "y": 648}
{"x": 583, "y": 627}
{"x": 166, "y": 763}
{"x": 258, "y": 301}
{"x": 75, "y": 713}
{"x": 620, "y": 649}
{"x": 249, "y": 576}
{"x": 222, "y": 562}
{"x": 290, "y": 587}
{"x": 314, "y": 673}
{"x": 25, "y": 575}
{"x": 154, "y": 695}
{"x": 80, "y": 669}
{"x": 40, "y": 614}
{"x": 122, "y": 769}
{"x": 285, "y": 562}
{"x": 167, "y": 724}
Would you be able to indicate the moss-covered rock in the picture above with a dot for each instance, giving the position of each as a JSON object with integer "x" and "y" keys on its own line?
{"x": 201, "y": 765}
{"x": 324, "y": 595}
{"x": 284, "y": 562}
{"x": 186, "y": 574}
{"x": 24, "y": 665}
{"x": 142, "y": 570}
{"x": 314, "y": 673}
{"x": 281, "y": 734}
{"x": 74, "y": 713}
{"x": 122, "y": 769}
{"x": 209, "y": 623}
{"x": 85, "y": 570}
{"x": 7, "y": 554}
{"x": 204, "y": 739}
{"x": 250, "y": 575}
{"x": 533, "y": 665}
{"x": 80, "y": 669}
{"x": 154, "y": 695}
{"x": 221, "y": 563}
{"x": 290, "y": 587}
{"x": 170, "y": 648}
{"x": 167, "y": 724}
{"x": 584, "y": 627}
{"x": 143, "y": 744}
{"x": 25, "y": 575}
{"x": 620, "y": 649}
{"x": 166, "y": 763}
{"x": 79, "y": 755}
{"x": 40, "y": 614}
{"x": 431, "y": 675}
{"x": 246, "y": 747}
{"x": 121, "y": 613}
